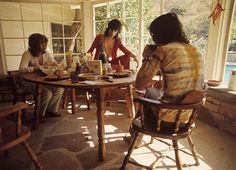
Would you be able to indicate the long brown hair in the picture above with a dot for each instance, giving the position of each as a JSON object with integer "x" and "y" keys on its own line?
{"x": 166, "y": 29}
{"x": 114, "y": 24}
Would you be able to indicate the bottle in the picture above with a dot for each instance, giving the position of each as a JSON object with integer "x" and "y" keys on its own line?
{"x": 103, "y": 57}
{"x": 75, "y": 75}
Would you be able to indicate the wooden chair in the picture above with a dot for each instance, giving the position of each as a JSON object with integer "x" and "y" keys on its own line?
{"x": 19, "y": 94}
{"x": 17, "y": 87}
{"x": 13, "y": 133}
{"x": 6, "y": 92}
{"x": 82, "y": 93}
{"x": 158, "y": 131}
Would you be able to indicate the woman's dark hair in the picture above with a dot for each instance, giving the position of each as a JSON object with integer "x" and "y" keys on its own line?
{"x": 114, "y": 24}
{"x": 166, "y": 29}
{"x": 35, "y": 40}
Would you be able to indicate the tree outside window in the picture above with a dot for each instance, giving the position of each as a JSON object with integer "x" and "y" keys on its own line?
{"x": 193, "y": 14}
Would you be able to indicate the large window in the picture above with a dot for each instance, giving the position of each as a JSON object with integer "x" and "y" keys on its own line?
{"x": 61, "y": 23}
{"x": 231, "y": 54}
{"x": 194, "y": 17}
{"x": 138, "y": 14}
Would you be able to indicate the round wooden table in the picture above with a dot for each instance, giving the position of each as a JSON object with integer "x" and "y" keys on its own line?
{"x": 99, "y": 87}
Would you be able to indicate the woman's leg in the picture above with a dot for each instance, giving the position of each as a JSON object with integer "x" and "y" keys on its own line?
{"x": 45, "y": 99}
{"x": 151, "y": 93}
{"x": 55, "y": 98}
{"x": 46, "y": 95}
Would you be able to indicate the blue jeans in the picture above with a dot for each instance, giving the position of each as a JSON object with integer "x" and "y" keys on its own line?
{"x": 51, "y": 97}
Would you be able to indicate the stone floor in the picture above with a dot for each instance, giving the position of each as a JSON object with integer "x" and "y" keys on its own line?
{"x": 70, "y": 143}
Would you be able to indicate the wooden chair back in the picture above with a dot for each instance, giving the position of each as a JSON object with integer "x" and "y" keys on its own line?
{"x": 157, "y": 130}
{"x": 15, "y": 79}
{"x": 178, "y": 109}
{"x": 14, "y": 133}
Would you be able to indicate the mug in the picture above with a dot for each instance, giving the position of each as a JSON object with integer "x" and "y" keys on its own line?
{"x": 119, "y": 68}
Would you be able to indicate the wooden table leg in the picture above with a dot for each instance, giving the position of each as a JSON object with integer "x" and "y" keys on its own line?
{"x": 129, "y": 99}
{"x": 64, "y": 102}
{"x": 37, "y": 107}
{"x": 100, "y": 93}
{"x": 73, "y": 100}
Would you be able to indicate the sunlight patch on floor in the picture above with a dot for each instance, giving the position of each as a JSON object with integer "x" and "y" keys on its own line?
{"x": 159, "y": 155}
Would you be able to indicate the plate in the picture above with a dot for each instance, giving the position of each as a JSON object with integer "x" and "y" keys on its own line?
{"x": 119, "y": 75}
{"x": 56, "y": 78}
{"x": 89, "y": 76}
{"x": 213, "y": 83}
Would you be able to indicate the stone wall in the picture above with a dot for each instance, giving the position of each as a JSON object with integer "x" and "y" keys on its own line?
{"x": 220, "y": 109}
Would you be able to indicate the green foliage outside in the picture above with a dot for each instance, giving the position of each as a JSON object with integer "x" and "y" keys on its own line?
{"x": 193, "y": 14}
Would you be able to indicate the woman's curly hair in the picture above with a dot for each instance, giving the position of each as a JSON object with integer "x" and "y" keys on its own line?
{"x": 35, "y": 40}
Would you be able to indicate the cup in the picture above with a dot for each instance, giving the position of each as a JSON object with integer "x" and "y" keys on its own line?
{"x": 119, "y": 68}
{"x": 30, "y": 69}
{"x": 60, "y": 71}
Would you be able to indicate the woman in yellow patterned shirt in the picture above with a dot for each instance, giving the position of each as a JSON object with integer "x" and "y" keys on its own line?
{"x": 180, "y": 64}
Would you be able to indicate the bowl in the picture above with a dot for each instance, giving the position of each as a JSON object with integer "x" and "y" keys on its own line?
{"x": 213, "y": 83}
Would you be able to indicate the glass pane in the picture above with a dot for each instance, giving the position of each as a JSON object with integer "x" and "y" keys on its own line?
{"x": 131, "y": 26}
{"x": 151, "y": 10}
{"x": 100, "y": 27}
{"x": 73, "y": 45}
{"x": 56, "y": 30}
{"x": 58, "y": 57}
{"x": 100, "y": 12}
{"x": 72, "y": 29}
{"x": 192, "y": 15}
{"x": 132, "y": 44}
{"x": 231, "y": 55}
{"x": 131, "y": 8}
{"x": 9, "y": 10}
{"x": 31, "y": 11}
{"x": 116, "y": 10}
{"x": 57, "y": 46}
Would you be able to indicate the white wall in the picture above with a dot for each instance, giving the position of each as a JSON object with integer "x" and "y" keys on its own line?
{"x": 19, "y": 20}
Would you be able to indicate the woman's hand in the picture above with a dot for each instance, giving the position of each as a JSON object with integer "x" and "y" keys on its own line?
{"x": 147, "y": 52}
{"x": 135, "y": 59}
